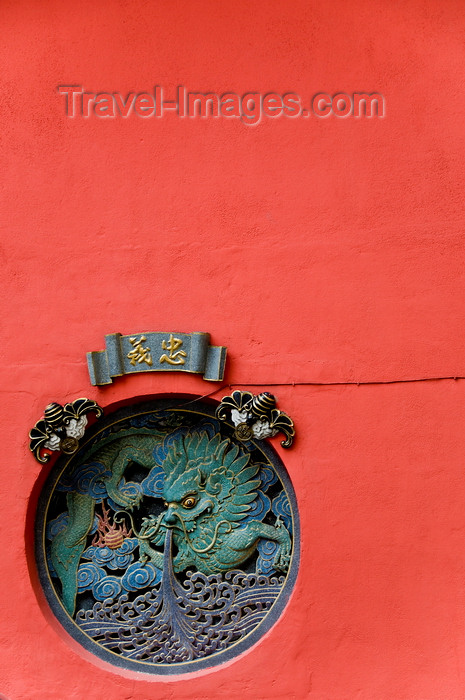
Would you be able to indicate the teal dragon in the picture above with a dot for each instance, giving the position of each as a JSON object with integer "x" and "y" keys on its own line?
{"x": 209, "y": 487}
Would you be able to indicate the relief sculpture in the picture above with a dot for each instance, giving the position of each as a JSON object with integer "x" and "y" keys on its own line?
{"x": 166, "y": 542}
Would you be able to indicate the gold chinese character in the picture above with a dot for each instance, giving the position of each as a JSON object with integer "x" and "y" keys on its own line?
{"x": 175, "y": 357}
{"x": 139, "y": 354}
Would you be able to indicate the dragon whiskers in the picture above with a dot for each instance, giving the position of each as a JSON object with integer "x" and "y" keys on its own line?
{"x": 215, "y": 535}
{"x": 150, "y": 533}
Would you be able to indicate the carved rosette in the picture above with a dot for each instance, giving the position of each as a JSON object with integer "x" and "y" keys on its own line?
{"x": 255, "y": 416}
{"x": 61, "y": 428}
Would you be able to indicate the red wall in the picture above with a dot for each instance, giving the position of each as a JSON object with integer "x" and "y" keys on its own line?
{"x": 317, "y": 250}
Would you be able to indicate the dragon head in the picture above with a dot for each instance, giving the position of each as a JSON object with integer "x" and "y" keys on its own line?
{"x": 206, "y": 481}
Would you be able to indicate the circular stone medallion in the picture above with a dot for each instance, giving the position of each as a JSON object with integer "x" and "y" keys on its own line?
{"x": 165, "y": 544}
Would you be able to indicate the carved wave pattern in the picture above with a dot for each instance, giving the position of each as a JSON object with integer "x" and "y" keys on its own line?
{"x": 174, "y": 622}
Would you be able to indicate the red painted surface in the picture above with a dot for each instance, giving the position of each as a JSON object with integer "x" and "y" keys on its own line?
{"x": 316, "y": 250}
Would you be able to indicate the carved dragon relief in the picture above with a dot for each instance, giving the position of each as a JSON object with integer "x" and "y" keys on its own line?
{"x": 197, "y": 506}
{"x": 208, "y": 489}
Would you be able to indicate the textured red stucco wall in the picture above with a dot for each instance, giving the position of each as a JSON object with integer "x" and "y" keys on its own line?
{"x": 317, "y": 250}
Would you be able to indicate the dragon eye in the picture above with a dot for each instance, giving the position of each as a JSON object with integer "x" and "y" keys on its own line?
{"x": 188, "y": 502}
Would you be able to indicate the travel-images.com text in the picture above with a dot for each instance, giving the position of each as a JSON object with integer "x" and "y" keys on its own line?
{"x": 249, "y": 108}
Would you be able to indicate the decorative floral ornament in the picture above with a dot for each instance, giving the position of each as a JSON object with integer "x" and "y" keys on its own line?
{"x": 255, "y": 416}
{"x": 61, "y": 428}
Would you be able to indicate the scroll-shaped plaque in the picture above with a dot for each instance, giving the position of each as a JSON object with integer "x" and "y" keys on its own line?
{"x": 156, "y": 352}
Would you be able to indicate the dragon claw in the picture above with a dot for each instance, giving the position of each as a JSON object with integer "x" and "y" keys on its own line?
{"x": 281, "y": 561}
